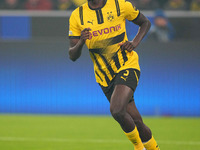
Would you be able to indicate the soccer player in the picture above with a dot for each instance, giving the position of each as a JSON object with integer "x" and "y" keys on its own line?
{"x": 100, "y": 24}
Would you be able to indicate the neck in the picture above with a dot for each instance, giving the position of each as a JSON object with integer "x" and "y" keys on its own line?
{"x": 96, "y": 3}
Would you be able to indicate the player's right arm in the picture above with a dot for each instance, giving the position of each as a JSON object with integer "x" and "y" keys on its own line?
{"x": 77, "y": 36}
{"x": 76, "y": 45}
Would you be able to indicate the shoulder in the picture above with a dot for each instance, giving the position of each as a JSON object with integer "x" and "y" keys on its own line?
{"x": 121, "y": 2}
{"x": 116, "y": 2}
{"x": 127, "y": 6}
{"x": 124, "y": 4}
{"x": 76, "y": 12}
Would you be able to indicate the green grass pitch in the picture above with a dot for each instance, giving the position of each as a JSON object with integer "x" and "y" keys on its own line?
{"x": 38, "y": 132}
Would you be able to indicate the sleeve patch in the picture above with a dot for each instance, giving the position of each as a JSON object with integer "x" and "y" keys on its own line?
{"x": 70, "y": 33}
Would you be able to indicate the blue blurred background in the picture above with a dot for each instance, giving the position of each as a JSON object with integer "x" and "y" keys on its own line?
{"x": 36, "y": 75}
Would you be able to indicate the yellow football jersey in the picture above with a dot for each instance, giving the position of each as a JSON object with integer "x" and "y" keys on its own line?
{"x": 108, "y": 29}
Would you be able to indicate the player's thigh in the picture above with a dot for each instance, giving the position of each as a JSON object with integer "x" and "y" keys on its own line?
{"x": 120, "y": 97}
{"x": 108, "y": 90}
{"x": 125, "y": 84}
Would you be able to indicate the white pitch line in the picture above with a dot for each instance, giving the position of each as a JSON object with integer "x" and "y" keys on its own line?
{"x": 29, "y": 139}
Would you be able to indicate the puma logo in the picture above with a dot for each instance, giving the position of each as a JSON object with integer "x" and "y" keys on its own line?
{"x": 90, "y": 22}
{"x": 124, "y": 78}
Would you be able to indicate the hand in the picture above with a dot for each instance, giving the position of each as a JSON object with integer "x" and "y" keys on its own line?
{"x": 85, "y": 34}
{"x": 129, "y": 46}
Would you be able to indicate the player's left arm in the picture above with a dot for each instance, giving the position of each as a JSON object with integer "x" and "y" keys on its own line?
{"x": 144, "y": 26}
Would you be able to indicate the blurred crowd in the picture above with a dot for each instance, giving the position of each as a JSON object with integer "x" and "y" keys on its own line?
{"x": 193, "y": 5}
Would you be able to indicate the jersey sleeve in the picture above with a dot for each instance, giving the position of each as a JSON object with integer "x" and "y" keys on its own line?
{"x": 131, "y": 12}
{"x": 74, "y": 28}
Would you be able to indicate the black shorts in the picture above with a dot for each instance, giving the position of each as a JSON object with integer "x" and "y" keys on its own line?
{"x": 128, "y": 77}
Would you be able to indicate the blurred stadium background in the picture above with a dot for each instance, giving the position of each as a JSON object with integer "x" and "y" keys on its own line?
{"x": 37, "y": 77}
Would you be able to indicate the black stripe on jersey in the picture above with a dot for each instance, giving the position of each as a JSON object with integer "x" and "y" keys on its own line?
{"x": 74, "y": 37}
{"x": 117, "y": 7}
{"x": 116, "y": 60}
{"x": 116, "y": 39}
{"x": 107, "y": 65}
{"x": 124, "y": 56}
{"x": 99, "y": 67}
{"x": 100, "y": 51}
{"x": 97, "y": 50}
{"x": 98, "y": 76}
{"x": 109, "y": 41}
{"x": 81, "y": 15}
{"x": 99, "y": 16}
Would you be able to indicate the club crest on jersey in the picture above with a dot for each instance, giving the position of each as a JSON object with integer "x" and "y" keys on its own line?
{"x": 110, "y": 16}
